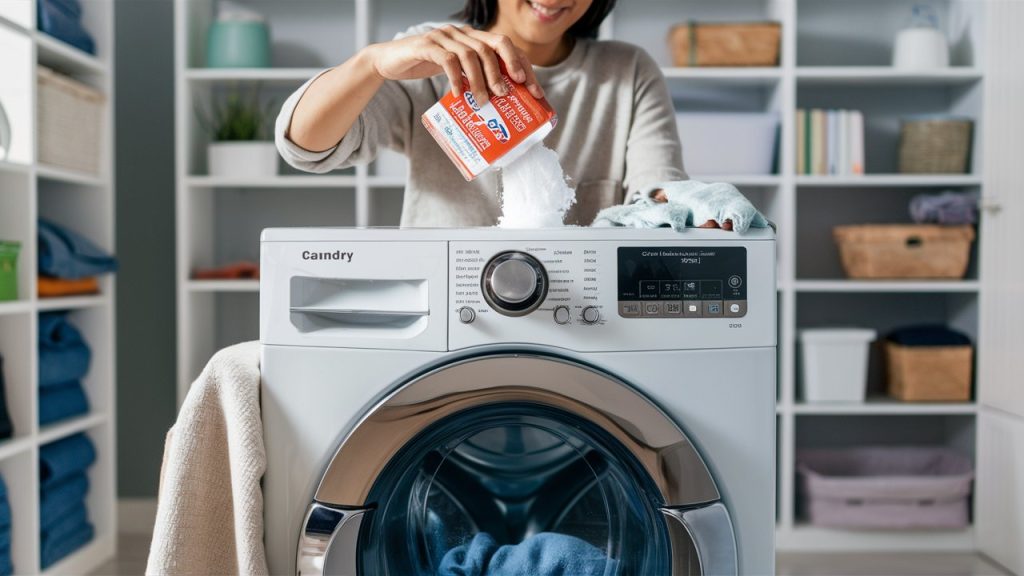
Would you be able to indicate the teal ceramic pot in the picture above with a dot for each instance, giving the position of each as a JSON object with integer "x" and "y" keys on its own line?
{"x": 238, "y": 44}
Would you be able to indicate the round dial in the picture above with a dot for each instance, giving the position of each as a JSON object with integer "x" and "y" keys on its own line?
{"x": 514, "y": 283}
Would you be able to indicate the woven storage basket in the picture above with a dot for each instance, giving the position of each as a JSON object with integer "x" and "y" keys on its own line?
{"x": 904, "y": 251}
{"x": 70, "y": 122}
{"x": 929, "y": 373}
{"x": 935, "y": 146}
{"x": 746, "y": 44}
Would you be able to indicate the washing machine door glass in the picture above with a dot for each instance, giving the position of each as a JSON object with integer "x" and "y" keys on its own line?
{"x": 516, "y": 464}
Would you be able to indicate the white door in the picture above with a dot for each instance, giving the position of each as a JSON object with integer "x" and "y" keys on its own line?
{"x": 1000, "y": 484}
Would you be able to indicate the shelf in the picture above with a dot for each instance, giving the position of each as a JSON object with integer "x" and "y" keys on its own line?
{"x": 14, "y": 167}
{"x": 223, "y": 285}
{"x": 762, "y": 180}
{"x": 889, "y": 180}
{"x": 55, "y": 174}
{"x": 73, "y": 302}
{"x": 887, "y": 406}
{"x": 852, "y": 286}
{"x": 387, "y": 181}
{"x": 14, "y": 446}
{"x": 12, "y": 25}
{"x": 885, "y": 75}
{"x": 806, "y": 537}
{"x": 736, "y": 76}
{"x": 66, "y": 428}
{"x": 269, "y": 75}
{"x": 56, "y": 54}
{"x": 289, "y": 181}
{"x": 15, "y": 307}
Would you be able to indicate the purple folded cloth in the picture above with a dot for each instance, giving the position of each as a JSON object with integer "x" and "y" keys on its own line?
{"x": 949, "y": 207}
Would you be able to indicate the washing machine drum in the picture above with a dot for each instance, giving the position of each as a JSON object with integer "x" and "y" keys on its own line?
{"x": 516, "y": 465}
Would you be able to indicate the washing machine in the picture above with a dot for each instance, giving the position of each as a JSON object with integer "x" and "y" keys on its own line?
{"x": 555, "y": 401}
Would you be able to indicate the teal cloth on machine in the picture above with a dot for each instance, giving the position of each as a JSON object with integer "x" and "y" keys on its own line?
{"x": 689, "y": 204}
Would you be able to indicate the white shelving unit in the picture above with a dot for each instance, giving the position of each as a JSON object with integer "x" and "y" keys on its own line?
{"x": 85, "y": 203}
{"x": 835, "y": 54}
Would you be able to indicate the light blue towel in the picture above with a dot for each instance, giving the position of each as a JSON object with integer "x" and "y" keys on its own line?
{"x": 64, "y": 458}
{"x": 545, "y": 554}
{"x": 54, "y": 550}
{"x": 67, "y": 254}
{"x": 690, "y": 204}
{"x": 64, "y": 355}
{"x": 60, "y": 499}
{"x": 61, "y": 402}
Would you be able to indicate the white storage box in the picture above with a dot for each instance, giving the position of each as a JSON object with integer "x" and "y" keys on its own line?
{"x": 70, "y": 122}
{"x": 835, "y": 363}
{"x": 727, "y": 143}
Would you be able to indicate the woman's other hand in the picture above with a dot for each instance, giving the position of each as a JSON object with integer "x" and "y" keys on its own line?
{"x": 454, "y": 51}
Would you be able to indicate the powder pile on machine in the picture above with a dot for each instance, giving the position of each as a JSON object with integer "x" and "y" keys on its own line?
{"x": 535, "y": 193}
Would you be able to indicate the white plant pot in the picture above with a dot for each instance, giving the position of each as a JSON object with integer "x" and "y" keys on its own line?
{"x": 242, "y": 159}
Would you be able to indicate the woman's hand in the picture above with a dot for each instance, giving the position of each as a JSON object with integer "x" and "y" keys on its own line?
{"x": 454, "y": 51}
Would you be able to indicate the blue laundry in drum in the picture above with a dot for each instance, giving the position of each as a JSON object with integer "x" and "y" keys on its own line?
{"x": 544, "y": 554}
{"x": 64, "y": 355}
{"x": 64, "y": 458}
{"x": 59, "y": 500}
{"x": 67, "y": 254}
{"x": 61, "y": 402}
{"x": 56, "y": 20}
{"x": 57, "y": 549}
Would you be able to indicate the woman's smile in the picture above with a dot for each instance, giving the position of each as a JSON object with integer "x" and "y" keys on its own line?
{"x": 546, "y": 13}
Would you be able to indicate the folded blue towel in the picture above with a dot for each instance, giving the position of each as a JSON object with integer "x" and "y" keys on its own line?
{"x": 60, "y": 402}
{"x": 59, "y": 24}
{"x": 5, "y": 540}
{"x": 69, "y": 8}
{"x": 64, "y": 355}
{"x": 949, "y": 207}
{"x": 5, "y": 514}
{"x": 67, "y": 524}
{"x": 6, "y": 568}
{"x": 66, "y": 254}
{"x": 63, "y": 458}
{"x": 545, "y": 554}
{"x": 3, "y": 487}
{"x": 690, "y": 203}
{"x": 6, "y": 427}
{"x": 58, "y": 500}
{"x": 53, "y": 551}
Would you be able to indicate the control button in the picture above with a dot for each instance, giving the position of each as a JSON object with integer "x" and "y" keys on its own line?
{"x": 466, "y": 314}
{"x": 562, "y": 315}
{"x": 591, "y": 315}
{"x": 712, "y": 308}
{"x": 693, "y": 309}
{"x": 629, "y": 309}
{"x": 652, "y": 308}
{"x": 736, "y": 308}
{"x": 673, "y": 307}
{"x": 735, "y": 281}
{"x": 513, "y": 281}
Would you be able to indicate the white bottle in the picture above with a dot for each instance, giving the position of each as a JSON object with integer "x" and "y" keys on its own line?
{"x": 921, "y": 46}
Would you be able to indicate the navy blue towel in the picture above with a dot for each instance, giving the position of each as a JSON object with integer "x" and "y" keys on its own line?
{"x": 64, "y": 26}
{"x": 5, "y": 513}
{"x": 6, "y": 568}
{"x": 58, "y": 500}
{"x": 5, "y": 540}
{"x": 6, "y": 428}
{"x": 72, "y": 9}
{"x": 545, "y": 554}
{"x": 928, "y": 335}
{"x": 67, "y": 524}
{"x": 61, "y": 402}
{"x": 55, "y": 550}
{"x": 66, "y": 254}
{"x": 63, "y": 458}
{"x": 64, "y": 355}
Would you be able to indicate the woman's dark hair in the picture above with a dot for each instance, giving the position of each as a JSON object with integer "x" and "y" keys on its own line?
{"x": 481, "y": 13}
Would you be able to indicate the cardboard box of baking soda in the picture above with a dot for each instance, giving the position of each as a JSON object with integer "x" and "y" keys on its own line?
{"x": 477, "y": 136}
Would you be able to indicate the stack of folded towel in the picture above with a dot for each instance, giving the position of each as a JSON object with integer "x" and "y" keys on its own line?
{"x": 6, "y": 427}
{"x": 69, "y": 262}
{"x": 63, "y": 362}
{"x": 62, "y": 19}
{"x": 63, "y": 483}
{"x": 6, "y": 567}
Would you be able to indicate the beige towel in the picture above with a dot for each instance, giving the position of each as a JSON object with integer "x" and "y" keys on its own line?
{"x": 210, "y": 514}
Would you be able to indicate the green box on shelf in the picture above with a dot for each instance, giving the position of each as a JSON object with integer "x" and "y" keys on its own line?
{"x": 9, "y": 270}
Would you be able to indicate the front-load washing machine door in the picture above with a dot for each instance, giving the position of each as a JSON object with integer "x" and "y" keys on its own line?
{"x": 516, "y": 464}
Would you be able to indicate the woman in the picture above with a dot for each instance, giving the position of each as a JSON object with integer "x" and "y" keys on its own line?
{"x": 616, "y": 131}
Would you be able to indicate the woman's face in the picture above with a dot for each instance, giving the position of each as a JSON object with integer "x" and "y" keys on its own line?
{"x": 541, "y": 21}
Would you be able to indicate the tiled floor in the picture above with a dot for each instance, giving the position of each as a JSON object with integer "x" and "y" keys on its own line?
{"x": 134, "y": 548}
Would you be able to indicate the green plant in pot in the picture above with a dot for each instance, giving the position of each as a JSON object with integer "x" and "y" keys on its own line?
{"x": 239, "y": 130}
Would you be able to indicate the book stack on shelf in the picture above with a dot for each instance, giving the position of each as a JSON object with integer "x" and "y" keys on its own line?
{"x": 829, "y": 142}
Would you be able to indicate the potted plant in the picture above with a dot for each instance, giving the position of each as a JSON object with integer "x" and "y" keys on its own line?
{"x": 238, "y": 130}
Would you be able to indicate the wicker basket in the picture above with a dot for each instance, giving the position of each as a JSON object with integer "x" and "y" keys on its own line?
{"x": 935, "y": 146}
{"x": 904, "y": 251}
{"x": 734, "y": 44}
{"x": 929, "y": 373}
{"x": 70, "y": 122}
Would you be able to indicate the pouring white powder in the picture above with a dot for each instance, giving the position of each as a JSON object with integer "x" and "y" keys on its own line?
{"x": 534, "y": 191}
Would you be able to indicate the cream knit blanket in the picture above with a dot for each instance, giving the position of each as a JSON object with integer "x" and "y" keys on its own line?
{"x": 210, "y": 513}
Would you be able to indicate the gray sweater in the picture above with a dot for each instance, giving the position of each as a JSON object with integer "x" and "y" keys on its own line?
{"x": 616, "y": 133}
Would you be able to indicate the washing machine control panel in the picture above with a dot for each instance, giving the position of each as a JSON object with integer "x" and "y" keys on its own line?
{"x": 682, "y": 282}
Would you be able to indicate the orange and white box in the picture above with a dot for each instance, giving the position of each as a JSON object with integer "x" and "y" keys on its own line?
{"x": 477, "y": 137}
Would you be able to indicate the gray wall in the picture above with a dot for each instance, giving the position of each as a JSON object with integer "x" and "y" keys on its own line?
{"x": 144, "y": 131}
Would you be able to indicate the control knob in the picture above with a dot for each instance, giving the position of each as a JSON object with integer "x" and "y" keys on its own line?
{"x": 591, "y": 315}
{"x": 514, "y": 283}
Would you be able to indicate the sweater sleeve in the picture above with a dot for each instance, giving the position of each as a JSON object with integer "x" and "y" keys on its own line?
{"x": 386, "y": 121}
{"x": 653, "y": 151}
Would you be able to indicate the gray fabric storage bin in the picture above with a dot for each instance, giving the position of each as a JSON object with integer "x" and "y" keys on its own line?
{"x": 886, "y": 487}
